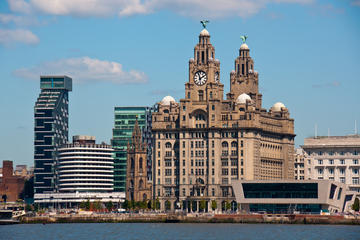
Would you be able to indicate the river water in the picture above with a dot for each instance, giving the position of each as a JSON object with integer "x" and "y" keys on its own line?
{"x": 160, "y": 231}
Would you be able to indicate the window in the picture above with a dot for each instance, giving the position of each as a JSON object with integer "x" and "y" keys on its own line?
{"x": 213, "y": 108}
{"x": 167, "y": 172}
{"x": 213, "y": 192}
{"x": 168, "y": 163}
{"x": 320, "y": 171}
{"x": 188, "y": 95}
{"x": 225, "y": 171}
{"x": 201, "y": 95}
{"x": 183, "y": 171}
{"x": 355, "y": 170}
{"x": 331, "y": 171}
{"x": 342, "y": 161}
{"x": 342, "y": 179}
{"x": 355, "y": 161}
{"x": 331, "y": 162}
{"x": 342, "y": 171}
{"x": 355, "y": 180}
{"x": 212, "y": 171}
{"x": 320, "y": 162}
{"x": 234, "y": 172}
{"x": 211, "y": 95}
{"x": 158, "y": 144}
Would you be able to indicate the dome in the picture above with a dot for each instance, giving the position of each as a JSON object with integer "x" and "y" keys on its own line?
{"x": 204, "y": 32}
{"x": 167, "y": 100}
{"x": 244, "y": 46}
{"x": 241, "y": 99}
{"x": 277, "y": 107}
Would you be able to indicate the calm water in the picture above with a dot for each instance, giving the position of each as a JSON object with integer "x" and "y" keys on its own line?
{"x": 177, "y": 231}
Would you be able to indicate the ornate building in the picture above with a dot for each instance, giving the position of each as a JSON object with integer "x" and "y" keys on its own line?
{"x": 137, "y": 186}
{"x": 204, "y": 141}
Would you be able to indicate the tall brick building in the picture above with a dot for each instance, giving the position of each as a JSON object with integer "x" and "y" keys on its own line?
{"x": 10, "y": 185}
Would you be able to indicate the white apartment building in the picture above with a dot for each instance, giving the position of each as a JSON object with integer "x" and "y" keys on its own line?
{"x": 334, "y": 158}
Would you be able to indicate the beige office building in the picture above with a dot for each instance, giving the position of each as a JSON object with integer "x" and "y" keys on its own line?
{"x": 204, "y": 142}
{"x": 334, "y": 158}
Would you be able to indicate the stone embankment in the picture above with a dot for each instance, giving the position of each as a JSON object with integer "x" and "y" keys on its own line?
{"x": 193, "y": 218}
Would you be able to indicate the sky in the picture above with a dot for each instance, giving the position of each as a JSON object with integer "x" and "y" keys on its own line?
{"x": 135, "y": 52}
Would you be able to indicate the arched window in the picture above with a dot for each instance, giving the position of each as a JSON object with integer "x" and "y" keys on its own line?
{"x": 234, "y": 144}
{"x": 144, "y": 197}
{"x": 141, "y": 184}
{"x": 201, "y": 95}
{"x": 225, "y": 145}
{"x": 132, "y": 163}
{"x": 168, "y": 145}
{"x": 189, "y": 95}
{"x": 211, "y": 95}
{"x": 140, "y": 163}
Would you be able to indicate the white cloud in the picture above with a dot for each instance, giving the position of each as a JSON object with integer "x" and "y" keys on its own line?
{"x": 12, "y": 36}
{"x": 17, "y": 20}
{"x": 192, "y": 8}
{"x": 84, "y": 69}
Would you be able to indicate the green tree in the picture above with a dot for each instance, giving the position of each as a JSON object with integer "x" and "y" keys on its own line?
{"x": 167, "y": 205}
{"x": 28, "y": 208}
{"x": 36, "y": 207}
{"x": 109, "y": 206}
{"x": 157, "y": 204}
{"x": 150, "y": 204}
{"x": 213, "y": 205}
{"x": 87, "y": 205}
{"x": 97, "y": 205}
{"x": 125, "y": 204}
{"x": 356, "y": 205}
{"x": 82, "y": 205}
{"x": 227, "y": 205}
{"x": 202, "y": 205}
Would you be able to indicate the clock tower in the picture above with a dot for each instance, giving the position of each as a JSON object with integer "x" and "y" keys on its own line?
{"x": 204, "y": 72}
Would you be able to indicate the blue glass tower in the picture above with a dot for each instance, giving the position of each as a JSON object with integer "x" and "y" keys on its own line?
{"x": 51, "y": 129}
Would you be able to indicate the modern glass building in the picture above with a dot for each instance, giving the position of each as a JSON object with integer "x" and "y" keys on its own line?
{"x": 51, "y": 129}
{"x": 125, "y": 118}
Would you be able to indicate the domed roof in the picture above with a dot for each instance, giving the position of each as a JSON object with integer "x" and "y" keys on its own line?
{"x": 241, "y": 99}
{"x": 167, "y": 100}
{"x": 277, "y": 107}
{"x": 204, "y": 32}
{"x": 244, "y": 46}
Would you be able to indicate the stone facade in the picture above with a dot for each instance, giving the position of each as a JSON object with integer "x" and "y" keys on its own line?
{"x": 204, "y": 141}
{"x": 137, "y": 186}
{"x": 302, "y": 162}
{"x": 335, "y": 158}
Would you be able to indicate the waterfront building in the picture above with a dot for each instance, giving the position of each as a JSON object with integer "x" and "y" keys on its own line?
{"x": 51, "y": 129}
{"x": 335, "y": 158}
{"x": 10, "y": 185}
{"x": 204, "y": 142}
{"x": 73, "y": 199}
{"x": 84, "y": 166}
{"x": 293, "y": 196}
{"x": 301, "y": 165}
{"x": 125, "y": 118}
{"x": 137, "y": 186}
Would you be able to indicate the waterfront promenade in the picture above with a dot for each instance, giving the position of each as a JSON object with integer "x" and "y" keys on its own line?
{"x": 193, "y": 218}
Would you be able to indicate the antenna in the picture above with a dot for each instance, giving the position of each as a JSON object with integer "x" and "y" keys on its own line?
{"x": 356, "y": 128}
{"x": 315, "y": 130}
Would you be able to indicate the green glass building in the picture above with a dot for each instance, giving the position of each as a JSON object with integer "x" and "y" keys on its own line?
{"x": 125, "y": 118}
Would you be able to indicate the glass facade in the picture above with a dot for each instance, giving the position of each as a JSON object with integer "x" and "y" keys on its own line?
{"x": 51, "y": 129}
{"x": 125, "y": 118}
{"x": 286, "y": 208}
{"x": 280, "y": 190}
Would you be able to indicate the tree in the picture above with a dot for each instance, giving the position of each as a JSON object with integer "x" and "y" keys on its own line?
{"x": 227, "y": 205}
{"x": 167, "y": 205}
{"x": 109, "y": 206}
{"x": 356, "y": 205}
{"x": 28, "y": 190}
{"x": 213, "y": 205}
{"x": 87, "y": 205}
{"x": 28, "y": 208}
{"x": 125, "y": 204}
{"x": 97, "y": 205}
{"x": 202, "y": 205}
{"x": 157, "y": 204}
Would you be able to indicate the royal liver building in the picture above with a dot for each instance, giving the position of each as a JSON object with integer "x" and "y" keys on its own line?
{"x": 204, "y": 141}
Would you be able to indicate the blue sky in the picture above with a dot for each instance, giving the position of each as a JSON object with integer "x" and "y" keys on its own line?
{"x": 133, "y": 53}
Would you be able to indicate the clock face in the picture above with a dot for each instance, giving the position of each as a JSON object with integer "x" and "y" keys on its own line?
{"x": 200, "y": 78}
{"x": 217, "y": 77}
